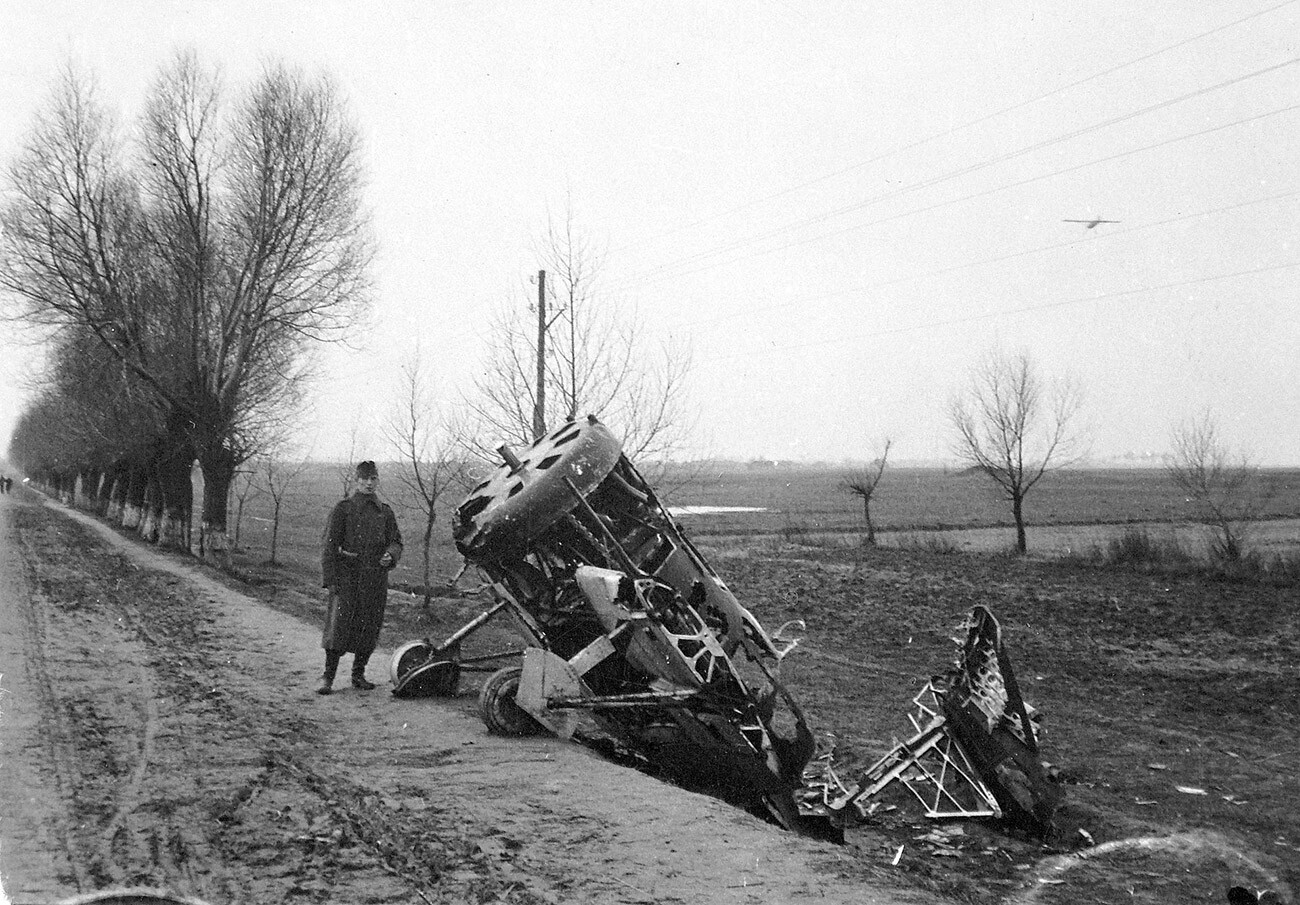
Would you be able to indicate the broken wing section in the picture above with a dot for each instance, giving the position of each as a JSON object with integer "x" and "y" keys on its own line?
{"x": 973, "y": 751}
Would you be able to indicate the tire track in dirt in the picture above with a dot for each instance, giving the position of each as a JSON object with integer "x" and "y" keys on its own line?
{"x": 362, "y": 798}
{"x": 105, "y": 745}
{"x": 53, "y": 733}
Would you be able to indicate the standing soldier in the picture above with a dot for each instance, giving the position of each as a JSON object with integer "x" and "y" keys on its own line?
{"x": 362, "y": 543}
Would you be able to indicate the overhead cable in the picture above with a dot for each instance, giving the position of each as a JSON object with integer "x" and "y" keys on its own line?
{"x": 989, "y": 315}
{"x": 672, "y": 267}
{"x": 946, "y": 133}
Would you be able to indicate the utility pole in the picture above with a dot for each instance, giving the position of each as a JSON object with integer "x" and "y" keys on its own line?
{"x": 539, "y": 396}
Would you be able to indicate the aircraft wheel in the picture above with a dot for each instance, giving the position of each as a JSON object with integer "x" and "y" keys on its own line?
{"x": 406, "y": 658}
{"x": 497, "y": 707}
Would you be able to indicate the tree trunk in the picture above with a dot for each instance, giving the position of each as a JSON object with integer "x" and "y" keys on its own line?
{"x": 275, "y": 531}
{"x": 239, "y": 520}
{"x": 218, "y": 474}
{"x": 117, "y": 494}
{"x": 151, "y": 511}
{"x": 177, "y": 496}
{"x": 866, "y": 514}
{"x": 104, "y": 491}
{"x": 1017, "y": 511}
{"x": 133, "y": 499}
{"x": 87, "y": 489}
{"x": 431, "y": 517}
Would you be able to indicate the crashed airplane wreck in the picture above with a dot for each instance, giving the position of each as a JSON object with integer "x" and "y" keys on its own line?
{"x": 625, "y": 621}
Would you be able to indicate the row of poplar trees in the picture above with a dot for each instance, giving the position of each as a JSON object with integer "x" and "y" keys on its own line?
{"x": 181, "y": 269}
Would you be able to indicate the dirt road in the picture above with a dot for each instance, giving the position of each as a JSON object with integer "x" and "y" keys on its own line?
{"x": 158, "y": 728}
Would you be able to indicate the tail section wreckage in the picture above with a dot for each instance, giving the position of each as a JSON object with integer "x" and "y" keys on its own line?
{"x": 627, "y": 624}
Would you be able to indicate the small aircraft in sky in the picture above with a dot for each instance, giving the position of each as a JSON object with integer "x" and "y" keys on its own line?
{"x": 1090, "y": 223}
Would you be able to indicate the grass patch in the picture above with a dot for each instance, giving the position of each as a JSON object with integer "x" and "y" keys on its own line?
{"x": 927, "y": 543}
{"x": 1139, "y": 549}
{"x": 1137, "y": 546}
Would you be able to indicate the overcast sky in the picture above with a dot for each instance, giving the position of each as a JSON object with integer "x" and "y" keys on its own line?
{"x": 841, "y": 205}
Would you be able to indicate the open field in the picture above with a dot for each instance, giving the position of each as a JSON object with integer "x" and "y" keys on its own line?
{"x": 1069, "y": 511}
{"x": 1171, "y": 701}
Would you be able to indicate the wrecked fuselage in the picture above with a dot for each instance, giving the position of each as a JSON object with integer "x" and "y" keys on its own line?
{"x": 625, "y": 621}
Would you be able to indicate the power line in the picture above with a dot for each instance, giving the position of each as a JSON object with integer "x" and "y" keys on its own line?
{"x": 988, "y": 315}
{"x": 952, "y": 131}
{"x": 936, "y": 180}
{"x": 749, "y": 312}
{"x": 982, "y": 193}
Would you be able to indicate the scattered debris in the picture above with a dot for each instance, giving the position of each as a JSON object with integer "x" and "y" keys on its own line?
{"x": 627, "y": 624}
{"x": 975, "y": 748}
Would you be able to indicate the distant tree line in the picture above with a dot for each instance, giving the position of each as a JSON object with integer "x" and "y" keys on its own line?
{"x": 180, "y": 278}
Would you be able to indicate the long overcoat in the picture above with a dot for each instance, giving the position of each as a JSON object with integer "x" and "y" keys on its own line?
{"x": 360, "y": 530}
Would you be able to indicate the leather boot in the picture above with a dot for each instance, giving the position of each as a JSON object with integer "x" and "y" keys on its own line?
{"x": 331, "y": 667}
{"x": 359, "y": 672}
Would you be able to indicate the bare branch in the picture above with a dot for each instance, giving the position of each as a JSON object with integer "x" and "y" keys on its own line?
{"x": 600, "y": 360}
{"x": 862, "y": 482}
{"x": 1224, "y": 492}
{"x": 1012, "y": 428}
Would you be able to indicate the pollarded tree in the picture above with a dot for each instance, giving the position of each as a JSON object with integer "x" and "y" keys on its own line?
{"x": 1224, "y": 490}
{"x": 74, "y": 256}
{"x": 210, "y": 263}
{"x": 599, "y": 360}
{"x": 862, "y": 483}
{"x": 1014, "y": 428}
{"x": 111, "y": 420}
{"x": 273, "y": 251}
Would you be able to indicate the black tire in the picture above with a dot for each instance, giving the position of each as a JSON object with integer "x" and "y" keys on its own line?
{"x": 408, "y": 657}
{"x": 497, "y": 707}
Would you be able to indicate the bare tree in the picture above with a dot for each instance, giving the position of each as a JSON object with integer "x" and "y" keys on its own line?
{"x": 242, "y": 489}
{"x": 1224, "y": 491}
{"x": 600, "y": 359}
{"x": 862, "y": 482}
{"x": 1014, "y": 428}
{"x": 429, "y": 453}
{"x": 276, "y": 476}
{"x": 209, "y": 264}
{"x": 345, "y": 472}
